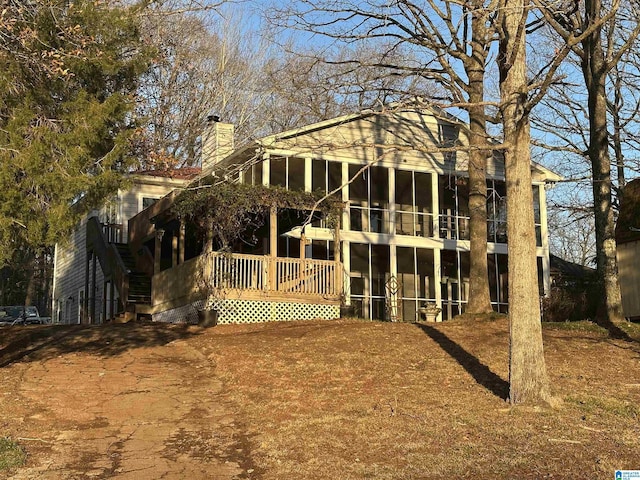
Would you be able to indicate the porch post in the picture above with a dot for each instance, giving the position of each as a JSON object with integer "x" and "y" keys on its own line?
{"x": 174, "y": 248}
{"x": 104, "y": 301}
{"x": 266, "y": 170}
{"x": 544, "y": 227}
{"x": 437, "y": 278}
{"x": 435, "y": 220}
{"x": 112, "y": 305}
{"x": 346, "y": 262}
{"x": 308, "y": 179}
{"x": 181, "y": 242}
{"x": 391, "y": 212}
{"x": 158, "y": 251}
{"x": 273, "y": 246}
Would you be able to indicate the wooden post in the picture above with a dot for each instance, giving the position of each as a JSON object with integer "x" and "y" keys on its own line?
{"x": 158, "y": 251}
{"x": 112, "y": 305}
{"x": 273, "y": 246}
{"x": 104, "y": 301}
{"x": 174, "y": 248}
{"x": 181, "y": 242}
{"x": 85, "y": 307}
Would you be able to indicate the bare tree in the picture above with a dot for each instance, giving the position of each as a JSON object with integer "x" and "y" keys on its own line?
{"x": 205, "y": 64}
{"x": 598, "y": 54}
{"x": 528, "y": 381}
{"x": 308, "y": 87}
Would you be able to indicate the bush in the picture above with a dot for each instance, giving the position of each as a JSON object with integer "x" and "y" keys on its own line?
{"x": 11, "y": 455}
{"x": 568, "y": 305}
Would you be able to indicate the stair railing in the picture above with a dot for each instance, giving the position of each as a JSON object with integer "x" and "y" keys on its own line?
{"x": 110, "y": 260}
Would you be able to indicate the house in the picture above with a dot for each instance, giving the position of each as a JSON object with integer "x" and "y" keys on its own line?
{"x": 573, "y": 292}
{"x": 86, "y": 262}
{"x": 402, "y": 239}
{"x": 628, "y": 243}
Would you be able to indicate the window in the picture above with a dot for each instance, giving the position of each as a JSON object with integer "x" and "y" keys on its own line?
{"x": 536, "y": 214}
{"x": 278, "y": 171}
{"x": 453, "y": 192}
{"x": 498, "y": 281}
{"x": 496, "y": 211}
{"x": 253, "y": 174}
{"x": 288, "y": 172}
{"x": 369, "y": 199}
{"x": 326, "y": 176}
{"x": 413, "y": 203}
{"x": 454, "y": 282}
{"x": 370, "y": 270}
{"x": 416, "y": 279}
{"x": 148, "y": 201}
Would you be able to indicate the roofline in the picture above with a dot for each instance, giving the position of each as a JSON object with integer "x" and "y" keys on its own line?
{"x": 157, "y": 180}
{"x": 550, "y": 175}
{"x": 436, "y": 111}
{"x": 269, "y": 140}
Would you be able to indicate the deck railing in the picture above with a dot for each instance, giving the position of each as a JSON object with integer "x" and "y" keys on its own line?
{"x": 255, "y": 275}
{"x": 275, "y": 274}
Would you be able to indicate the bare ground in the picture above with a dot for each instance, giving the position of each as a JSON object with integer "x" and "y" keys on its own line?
{"x": 333, "y": 400}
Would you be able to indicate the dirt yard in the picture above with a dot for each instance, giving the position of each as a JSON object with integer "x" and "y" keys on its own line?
{"x": 332, "y": 400}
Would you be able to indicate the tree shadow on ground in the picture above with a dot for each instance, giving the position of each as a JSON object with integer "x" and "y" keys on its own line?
{"x": 25, "y": 344}
{"x": 478, "y": 370}
{"x": 615, "y": 332}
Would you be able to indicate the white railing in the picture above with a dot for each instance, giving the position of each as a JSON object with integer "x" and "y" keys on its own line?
{"x": 274, "y": 274}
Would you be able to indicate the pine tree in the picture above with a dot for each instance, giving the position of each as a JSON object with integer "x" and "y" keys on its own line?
{"x": 68, "y": 76}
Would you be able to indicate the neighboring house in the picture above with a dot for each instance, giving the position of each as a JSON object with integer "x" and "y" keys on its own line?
{"x": 82, "y": 263}
{"x": 572, "y": 295}
{"x": 628, "y": 243}
{"x": 570, "y": 275}
{"x": 403, "y": 238}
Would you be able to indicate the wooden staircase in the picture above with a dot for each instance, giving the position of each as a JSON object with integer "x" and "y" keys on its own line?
{"x": 118, "y": 264}
{"x": 139, "y": 283}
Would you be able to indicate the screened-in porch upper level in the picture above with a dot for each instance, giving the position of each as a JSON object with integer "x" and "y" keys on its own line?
{"x": 391, "y": 200}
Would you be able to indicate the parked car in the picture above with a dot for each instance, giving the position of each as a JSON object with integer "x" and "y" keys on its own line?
{"x": 19, "y": 315}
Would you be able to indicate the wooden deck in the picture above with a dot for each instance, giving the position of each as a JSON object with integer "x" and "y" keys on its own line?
{"x": 249, "y": 277}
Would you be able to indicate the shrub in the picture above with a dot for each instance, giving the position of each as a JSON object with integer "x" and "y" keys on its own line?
{"x": 11, "y": 455}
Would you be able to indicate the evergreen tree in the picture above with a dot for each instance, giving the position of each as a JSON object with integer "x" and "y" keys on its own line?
{"x": 68, "y": 76}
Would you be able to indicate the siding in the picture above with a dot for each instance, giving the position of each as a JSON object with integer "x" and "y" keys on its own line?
{"x": 403, "y": 139}
{"x": 69, "y": 275}
{"x": 628, "y": 256}
{"x": 71, "y": 255}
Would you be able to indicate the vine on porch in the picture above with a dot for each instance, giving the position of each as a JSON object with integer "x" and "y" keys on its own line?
{"x": 230, "y": 210}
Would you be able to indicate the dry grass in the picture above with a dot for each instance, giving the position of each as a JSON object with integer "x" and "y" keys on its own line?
{"x": 350, "y": 399}
{"x": 354, "y": 399}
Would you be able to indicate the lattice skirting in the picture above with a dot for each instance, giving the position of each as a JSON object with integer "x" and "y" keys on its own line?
{"x": 250, "y": 311}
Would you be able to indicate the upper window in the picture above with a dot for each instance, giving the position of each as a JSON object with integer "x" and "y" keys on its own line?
{"x": 148, "y": 201}
{"x": 288, "y": 172}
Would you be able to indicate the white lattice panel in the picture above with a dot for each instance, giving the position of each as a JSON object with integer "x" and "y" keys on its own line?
{"x": 251, "y": 311}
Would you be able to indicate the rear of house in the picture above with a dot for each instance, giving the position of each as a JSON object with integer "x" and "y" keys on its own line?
{"x": 402, "y": 240}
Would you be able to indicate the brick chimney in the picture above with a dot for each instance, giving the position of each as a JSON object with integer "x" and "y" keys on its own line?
{"x": 217, "y": 142}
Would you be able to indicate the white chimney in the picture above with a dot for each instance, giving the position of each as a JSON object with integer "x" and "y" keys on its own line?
{"x": 217, "y": 142}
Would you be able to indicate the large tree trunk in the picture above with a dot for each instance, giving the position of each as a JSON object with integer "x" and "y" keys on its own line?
{"x": 528, "y": 381}
{"x": 594, "y": 69}
{"x": 479, "y": 297}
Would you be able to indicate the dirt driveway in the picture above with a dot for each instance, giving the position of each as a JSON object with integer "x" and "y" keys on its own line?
{"x": 130, "y": 401}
